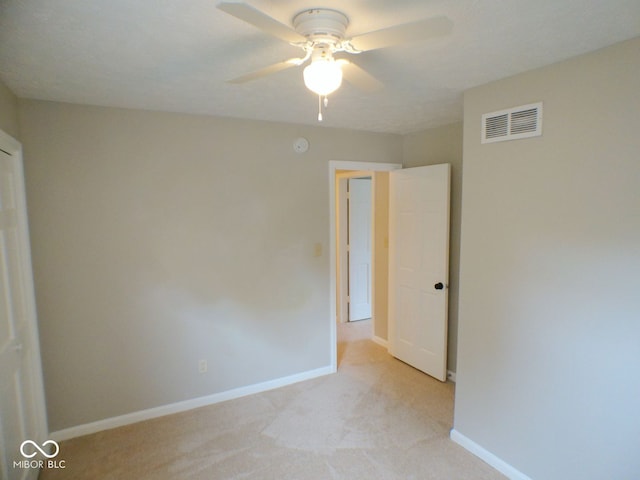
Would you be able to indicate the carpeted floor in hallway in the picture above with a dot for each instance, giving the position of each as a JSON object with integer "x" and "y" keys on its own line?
{"x": 377, "y": 418}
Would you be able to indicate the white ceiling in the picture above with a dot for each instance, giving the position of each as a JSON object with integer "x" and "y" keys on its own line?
{"x": 175, "y": 55}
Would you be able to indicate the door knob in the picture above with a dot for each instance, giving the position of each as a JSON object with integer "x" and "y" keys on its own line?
{"x": 439, "y": 286}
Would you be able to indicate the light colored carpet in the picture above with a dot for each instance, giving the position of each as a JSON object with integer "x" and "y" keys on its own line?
{"x": 377, "y": 418}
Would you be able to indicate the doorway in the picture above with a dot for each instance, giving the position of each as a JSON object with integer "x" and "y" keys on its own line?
{"x": 338, "y": 173}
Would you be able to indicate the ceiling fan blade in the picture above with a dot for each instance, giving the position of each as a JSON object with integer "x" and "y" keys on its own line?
{"x": 263, "y": 72}
{"x": 406, "y": 33}
{"x": 258, "y": 19}
{"x": 359, "y": 77}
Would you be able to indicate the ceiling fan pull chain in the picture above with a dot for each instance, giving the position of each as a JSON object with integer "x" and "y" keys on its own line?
{"x": 319, "y": 108}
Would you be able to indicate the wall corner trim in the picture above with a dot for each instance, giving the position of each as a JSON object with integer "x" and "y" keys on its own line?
{"x": 134, "y": 417}
{"x": 497, "y": 463}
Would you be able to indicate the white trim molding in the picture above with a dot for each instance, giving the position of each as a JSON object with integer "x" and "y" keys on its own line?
{"x": 497, "y": 463}
{"x": 451, "y": 376}
{"x": 134, "y": 417}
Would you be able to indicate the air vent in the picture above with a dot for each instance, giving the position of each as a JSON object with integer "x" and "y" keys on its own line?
{"x": 512, "y": 124}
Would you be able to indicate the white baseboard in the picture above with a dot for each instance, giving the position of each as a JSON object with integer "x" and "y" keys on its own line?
{"x": 163, "y": 410}
{"x": 451, "y": 376}
{"x": 380, "y": 341}
{"x": 497, "y": 463}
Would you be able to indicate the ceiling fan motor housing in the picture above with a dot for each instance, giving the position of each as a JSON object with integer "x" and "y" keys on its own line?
{"x": 321, "y": 26}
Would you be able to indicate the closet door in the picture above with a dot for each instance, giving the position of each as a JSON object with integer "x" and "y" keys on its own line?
{"x": 22, "y": 413}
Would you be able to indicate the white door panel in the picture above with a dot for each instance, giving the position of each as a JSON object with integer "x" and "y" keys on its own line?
{"x": 22, "y": 414}
{"x": 418, "y": 260}
{"x": 359, "y": 248}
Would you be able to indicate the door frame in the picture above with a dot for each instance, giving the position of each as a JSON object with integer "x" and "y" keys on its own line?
{"x": 32, "y": 344}
{"x": 334, "y": 167}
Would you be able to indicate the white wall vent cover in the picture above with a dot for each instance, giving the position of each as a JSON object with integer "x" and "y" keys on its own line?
{"x": 518, "y": 122}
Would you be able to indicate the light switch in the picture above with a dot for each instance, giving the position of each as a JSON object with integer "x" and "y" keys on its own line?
{"x": 317, "y": 250}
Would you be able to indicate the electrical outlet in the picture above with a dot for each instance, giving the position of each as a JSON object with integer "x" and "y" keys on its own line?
{"x": 202, "y": 366}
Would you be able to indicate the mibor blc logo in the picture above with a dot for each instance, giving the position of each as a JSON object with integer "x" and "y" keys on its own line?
{"x": 29, "y": 449}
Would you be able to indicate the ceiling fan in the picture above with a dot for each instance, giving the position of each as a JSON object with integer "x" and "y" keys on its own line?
{"x": 321, "y": 33}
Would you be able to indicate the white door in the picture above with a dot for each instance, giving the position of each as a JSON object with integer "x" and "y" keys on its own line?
{"x": 419, "y": 267}
{"x": 22, "y": 415}
{"x": 359, "y": 248}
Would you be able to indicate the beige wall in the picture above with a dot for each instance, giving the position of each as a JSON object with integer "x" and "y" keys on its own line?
{"x": 381, "y": 254}
{"x": 8, "y": 111}
{"x": 431, "y": 147}
{"x": 548, "y": 356}
{"x": 160, "y": 239}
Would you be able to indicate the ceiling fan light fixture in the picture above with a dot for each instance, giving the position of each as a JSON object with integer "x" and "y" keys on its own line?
{"x": 323, "y": 76}
{"x": 321, "y": 33}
